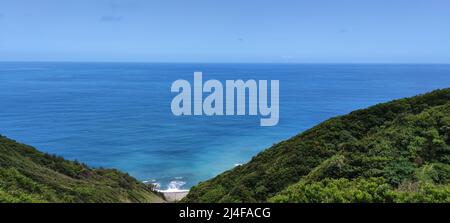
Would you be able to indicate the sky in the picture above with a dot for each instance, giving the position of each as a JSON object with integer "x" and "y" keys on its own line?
{"x": 247, "y": 31}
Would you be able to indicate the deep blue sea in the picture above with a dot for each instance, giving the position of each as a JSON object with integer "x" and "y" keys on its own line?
{"x": 118, "y": 114}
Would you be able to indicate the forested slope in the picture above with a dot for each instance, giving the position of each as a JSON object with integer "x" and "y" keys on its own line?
{"x": 392, "y": 152}
{"x": 27, "y": 175}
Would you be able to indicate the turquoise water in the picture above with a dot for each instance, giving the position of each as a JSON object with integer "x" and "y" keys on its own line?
{"x": 118, "y": 114}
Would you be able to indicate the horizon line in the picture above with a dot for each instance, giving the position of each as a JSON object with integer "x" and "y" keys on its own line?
{"x": 225, "y": 62}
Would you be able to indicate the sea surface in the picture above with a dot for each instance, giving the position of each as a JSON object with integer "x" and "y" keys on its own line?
{"x": 118, "y": 115}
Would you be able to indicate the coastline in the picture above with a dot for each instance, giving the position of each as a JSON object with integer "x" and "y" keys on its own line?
{"x": 173, "y": 195}
{"x": 174, "y": 191}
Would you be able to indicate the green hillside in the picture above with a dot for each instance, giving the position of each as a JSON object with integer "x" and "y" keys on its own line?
{"x": 27, "y": 175}
{"x": 392, "y": 152}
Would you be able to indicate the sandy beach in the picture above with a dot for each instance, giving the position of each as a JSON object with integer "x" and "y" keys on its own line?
{"x": 174, "y": 196}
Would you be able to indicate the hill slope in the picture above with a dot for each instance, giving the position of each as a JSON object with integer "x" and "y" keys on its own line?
{"x": 392, "y": 152}
{"x": 27, "y": 175}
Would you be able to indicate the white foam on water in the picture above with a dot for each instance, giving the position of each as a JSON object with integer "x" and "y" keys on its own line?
{"x": 174, "y": 186}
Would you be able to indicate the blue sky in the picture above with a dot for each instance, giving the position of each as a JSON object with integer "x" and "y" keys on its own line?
{"x": 283, "y": 31}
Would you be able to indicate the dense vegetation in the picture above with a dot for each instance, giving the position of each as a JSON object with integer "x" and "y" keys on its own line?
{"x": 392, "y": 152}
{"x": 27, "y": 175}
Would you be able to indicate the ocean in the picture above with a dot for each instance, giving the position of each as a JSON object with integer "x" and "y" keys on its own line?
{"x": 118, "y": 115}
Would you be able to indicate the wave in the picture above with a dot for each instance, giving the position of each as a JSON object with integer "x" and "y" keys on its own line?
{"x": 173, "y": 186}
